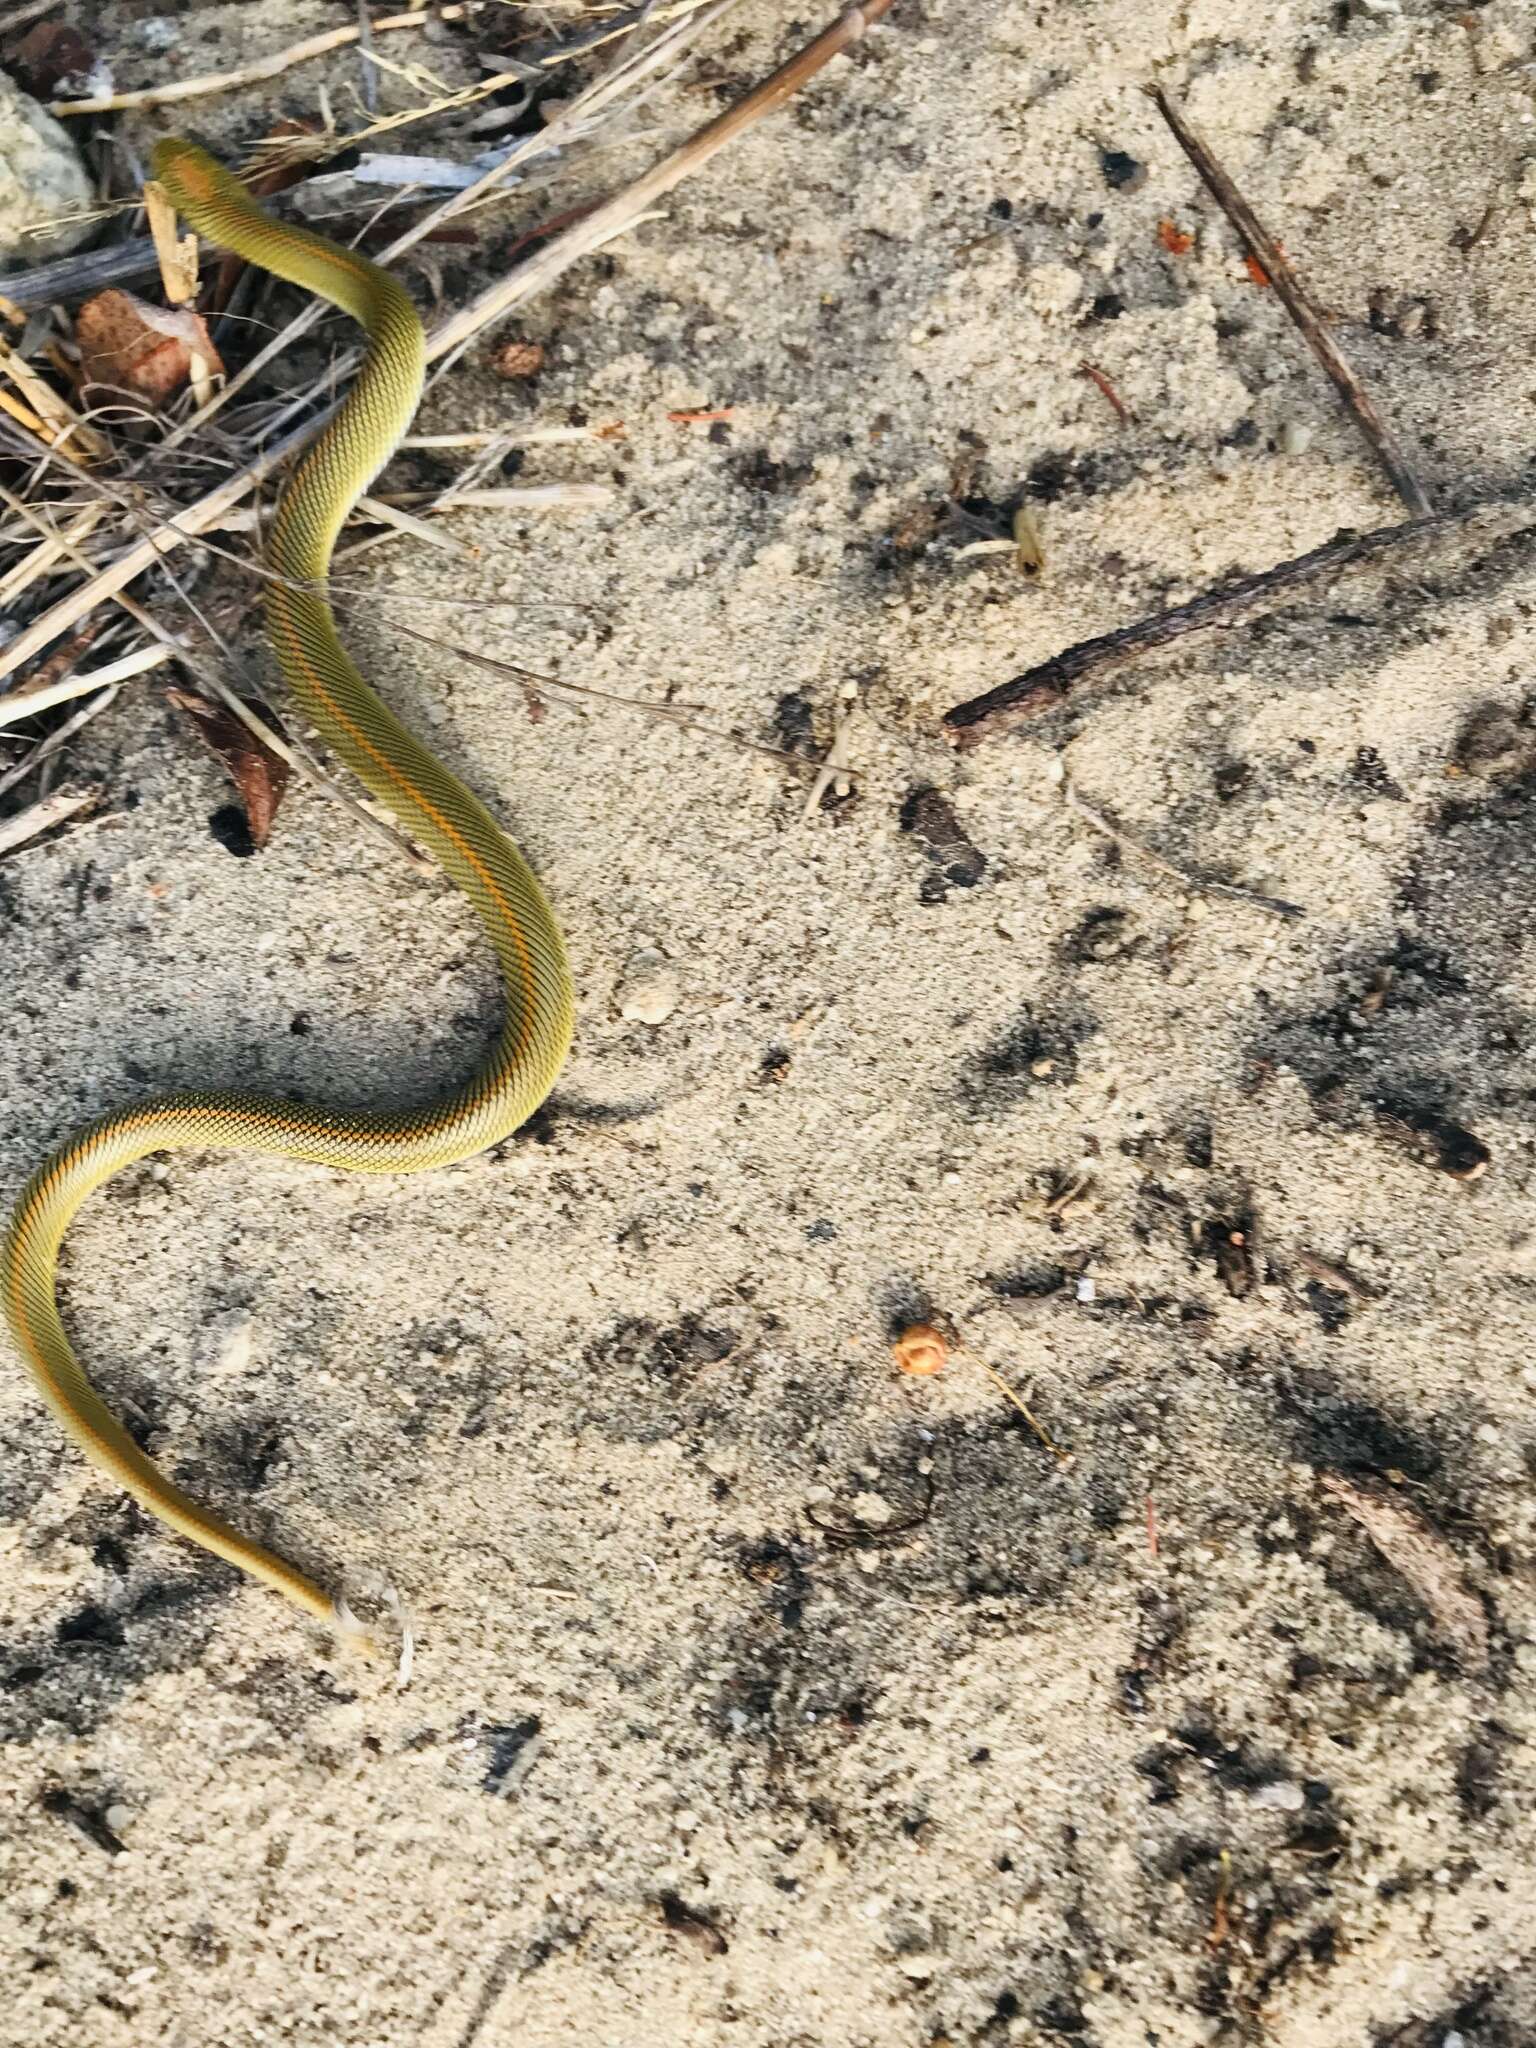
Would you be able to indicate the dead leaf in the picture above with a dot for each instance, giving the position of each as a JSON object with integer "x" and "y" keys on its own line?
{"x": 53, "y": 61}
{"x": 260, "y": 775}
{"x": 1420, "y": 1555}
{"x": 148, "y": 350}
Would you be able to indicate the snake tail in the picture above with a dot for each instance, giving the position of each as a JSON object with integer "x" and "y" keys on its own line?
{"x": 430, "y": 804}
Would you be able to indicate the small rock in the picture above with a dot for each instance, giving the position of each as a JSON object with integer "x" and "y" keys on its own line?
{"x": 1122, "y": 173}
{"x": 649, "y": 993}
{"x": 1282, "y": 1796}
{"x": 41, "y": 177}
{"x": 872, "y": 1509}
{"x": 517, "y": 359}
{"x": 920, "y": 1967}
{"x": 1295, "y": 438}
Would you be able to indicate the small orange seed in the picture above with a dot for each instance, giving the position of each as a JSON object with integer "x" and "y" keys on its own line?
{"x": 920, "y": 1351}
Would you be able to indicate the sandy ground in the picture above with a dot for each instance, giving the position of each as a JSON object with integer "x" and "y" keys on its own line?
{"x": 764, "y": 1697}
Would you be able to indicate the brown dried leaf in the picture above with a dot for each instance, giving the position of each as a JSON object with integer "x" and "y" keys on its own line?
{"x": 52, "y": 61}
{"x": 1420, "y": 1554}
{"x": 260, "y": 775}
{"x": 145, "y": 349}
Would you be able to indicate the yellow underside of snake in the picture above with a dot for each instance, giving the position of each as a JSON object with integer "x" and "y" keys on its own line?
{"x": 430, "y": 804}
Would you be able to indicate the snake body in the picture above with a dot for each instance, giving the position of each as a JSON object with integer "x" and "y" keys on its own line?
{"x": 429, "y": 803}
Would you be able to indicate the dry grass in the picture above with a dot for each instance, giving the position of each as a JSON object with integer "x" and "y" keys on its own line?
{"x": 101, "y": 499}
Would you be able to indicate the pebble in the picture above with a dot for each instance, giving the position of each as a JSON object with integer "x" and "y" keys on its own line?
{"x": 1281, "y": 1795}
{"x": 920, "y": 1967}
{"x": 649, "y": 991}
{"x": 872, "y": 1509}
{"x": 41, "y": 176}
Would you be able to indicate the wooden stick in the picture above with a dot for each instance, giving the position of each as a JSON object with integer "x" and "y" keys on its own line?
{"x": 1301, "y": 306}
{"x": 72, "y": 277}
{"x": 24, "y": 703}
{"x": 1047, "y": 684}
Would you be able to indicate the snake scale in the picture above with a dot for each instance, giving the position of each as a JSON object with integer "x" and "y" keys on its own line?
{"x": 430, "y": 804}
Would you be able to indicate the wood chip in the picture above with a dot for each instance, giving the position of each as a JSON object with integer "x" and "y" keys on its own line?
{"x": 1422, "y": 1557}
{"x": 176, "y": 255}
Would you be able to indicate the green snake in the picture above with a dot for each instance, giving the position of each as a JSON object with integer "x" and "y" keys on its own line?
{"x": 430, "y": 804}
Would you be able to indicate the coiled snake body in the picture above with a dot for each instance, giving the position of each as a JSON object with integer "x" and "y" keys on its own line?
{"x": 431, "y": 805}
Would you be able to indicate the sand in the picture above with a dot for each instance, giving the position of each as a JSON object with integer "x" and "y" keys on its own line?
{"x": 762, "y": 1696}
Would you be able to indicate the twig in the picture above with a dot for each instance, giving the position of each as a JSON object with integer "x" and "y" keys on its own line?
{"x": 1097, "y": 378}
{"x": 65, "y": 658}
{"x": 43, "y": 816}
{"x": 668, "y": 712}
{"x": 151, "y": 548}
{"x": 25, "y": 703}
{"x": 263, "y": 67}
{"x": 1047, "y": 684}
{"x": 62, "y": 423}
{"x": 51, "y": 545}
{"x": 1062, "y": 1457}
{"x": 1101, "y": 822}
{"x": 1339, "y": 1278}
{"x": 1301, "y": 306}
{"x": 71, "y": 277}
{"x": 46, "y": 749}
{"x": 386, "y": 513}
{"x": 297, "y": 755}
{"x": 833, "y": 764}
{"x": 1417, "y": 1550}
{"x": 567, "y": 497}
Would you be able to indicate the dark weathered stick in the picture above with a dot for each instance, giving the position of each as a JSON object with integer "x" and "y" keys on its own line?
{"x": 71, "y": 277}
{"x": 1301, "y": 306}
{"x": 1045, "y": 685}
